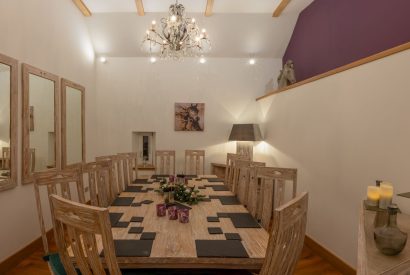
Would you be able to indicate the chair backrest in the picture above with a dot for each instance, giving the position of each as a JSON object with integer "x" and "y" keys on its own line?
{"x": 165, "y": 162}
{"x": 242, "y": 177}
{"x": 76, "y": 227}
{"x": 267, "y": 191}
{"x": 124, "y": 162}
{"x": 133, "y": 168}
{"x": 99, "y": 176}
{"x": 5, "y": 157}
{"x": 194, "y": 162}
{"x": 229, "y": 171}
{"x": 56, "y": 183}
{"x": 32, "y": 160}
{"x": 117, "y": 183}
{"x": 287, "y": 237}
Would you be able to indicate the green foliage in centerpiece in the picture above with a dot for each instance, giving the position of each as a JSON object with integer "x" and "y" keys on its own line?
{"x": 182, "y": 193}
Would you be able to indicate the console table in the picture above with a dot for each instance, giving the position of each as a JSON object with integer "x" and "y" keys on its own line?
{"x": 370, "y": 261}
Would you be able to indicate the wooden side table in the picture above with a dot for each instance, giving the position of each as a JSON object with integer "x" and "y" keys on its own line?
{"x": 145, "y": 171}
{"x": 218, "y": 169}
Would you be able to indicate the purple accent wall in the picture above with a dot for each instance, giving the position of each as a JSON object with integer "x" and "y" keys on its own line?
{"x": 333, "y": 33}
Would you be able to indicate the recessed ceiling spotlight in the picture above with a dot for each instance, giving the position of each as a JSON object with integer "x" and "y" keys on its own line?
{"x": 103, "y": 59}
{"x": 252, "y": 61}
{"x": 153, "y": 59}
{"x": 202, "y": 60}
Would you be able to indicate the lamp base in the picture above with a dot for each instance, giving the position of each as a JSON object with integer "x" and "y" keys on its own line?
{"x": 245, "y": 148}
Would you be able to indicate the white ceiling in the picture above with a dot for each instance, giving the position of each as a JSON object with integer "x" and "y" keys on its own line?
{"x": 238, "y": 28}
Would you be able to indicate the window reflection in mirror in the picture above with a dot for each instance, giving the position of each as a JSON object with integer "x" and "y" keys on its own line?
{"x": 5, "y": 111}
{"x": 74, "y": 135}
{"x": 41, "y": 124}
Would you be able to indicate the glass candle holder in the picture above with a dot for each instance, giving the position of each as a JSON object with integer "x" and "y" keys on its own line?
{"x": 373, "y": 195}
{"x": 183, "y": 215}
{"x": 172, "y": 213}
{"x": 386, "y": 195}
{"x": 161, "y": 210}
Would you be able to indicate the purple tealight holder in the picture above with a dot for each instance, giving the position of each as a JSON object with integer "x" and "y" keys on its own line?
{"x": 183, "y": 215}
{"x": 172, "y": 213}
{"x": 161, "y": 210}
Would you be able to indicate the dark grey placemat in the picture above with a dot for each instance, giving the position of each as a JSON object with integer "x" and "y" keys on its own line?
{"x": 215, "y": 180}
{"x": 131, "y": 188}
{"x": 215, "y": 230}
{"x": 132, "y": 248}
{"x": 123, "y": 201}
{"x": 137, "y": 219}
{"x": 206, "y": 199}
{"x": 148, "y": 236}
{"x": 226, "y": 200}
{"x": 179, "y": 205}
{"x": 115, "y": 217}
{"x": 220, "y": 188}
{"x": 405, "y": 195}
{"x": 201, "y": 187}
{"x": 233, "y": 236}
{"x": 120, "y": 225}
{"x": 212, "y": 219}
{"x": 136, "y": 204}
{"x": 243, "y": 220}
{"x": 222, "y": 215}
{"x": 136, "y": 230}
{"x": 159, "y": 176}
{"x": 141, "y": 181}
{"x": 220, "y": 248}
{"x": 147, "y": 202}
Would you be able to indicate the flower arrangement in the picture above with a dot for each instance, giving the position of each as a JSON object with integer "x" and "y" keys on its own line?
{"x": 182, "y": 193}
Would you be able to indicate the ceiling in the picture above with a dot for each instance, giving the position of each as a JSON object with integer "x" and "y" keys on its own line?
{"x": 237, "y": 28}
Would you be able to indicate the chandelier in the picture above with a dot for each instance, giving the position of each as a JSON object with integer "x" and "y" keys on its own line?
{"x": 178, "y": 37}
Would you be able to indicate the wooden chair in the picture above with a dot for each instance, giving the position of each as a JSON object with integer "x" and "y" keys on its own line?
{"x": 133, "y": 162}
{"x": 230, "y": 158}
{"x": 287, "y": 237}
{"x": 5, "y": 158}
{"x": 117, "y": 183}
{"x": 56, "y": 183}
{"x": 165, "y": 162}
{"x": 242, "y": 178}
{"x": 267, "y": 191}
{"x": 76, "y": 227}
{"x": 194, "y": 162}
{"x": 99, "y": 176}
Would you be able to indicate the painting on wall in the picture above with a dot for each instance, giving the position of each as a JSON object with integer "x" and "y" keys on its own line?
{"x": 189, "y": 116}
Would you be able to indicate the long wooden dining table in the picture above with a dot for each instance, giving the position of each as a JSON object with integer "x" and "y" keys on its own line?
{"x": 144, "y": 240}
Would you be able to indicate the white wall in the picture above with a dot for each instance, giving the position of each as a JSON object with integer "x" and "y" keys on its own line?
{"x": 342, "y": 133}
{"x": 134, "y": 95}
{"x": 51, "y": 35}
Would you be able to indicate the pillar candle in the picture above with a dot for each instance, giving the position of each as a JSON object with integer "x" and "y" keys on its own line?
{"x": 373, "y": 195}
{"x": 386, "y": 195}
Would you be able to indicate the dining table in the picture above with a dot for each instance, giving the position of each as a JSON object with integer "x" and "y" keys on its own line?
{"x": 220, "y": 233}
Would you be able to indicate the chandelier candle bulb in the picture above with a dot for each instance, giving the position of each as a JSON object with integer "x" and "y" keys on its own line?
{"x": 373, "y": 195}
{"x": 386, "y": 195}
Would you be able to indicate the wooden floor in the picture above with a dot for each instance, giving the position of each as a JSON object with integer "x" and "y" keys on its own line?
{"x": 309, "y": 264}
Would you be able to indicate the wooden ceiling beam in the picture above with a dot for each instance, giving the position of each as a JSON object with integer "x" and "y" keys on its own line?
{"x": 209, "y": 7}
{"x": 140, "y": 7}
{"x": 279, "y": 9}
{"x": 82, "y": 7}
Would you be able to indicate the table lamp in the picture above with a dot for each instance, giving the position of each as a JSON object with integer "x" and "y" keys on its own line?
{"x": 245, "y": 135}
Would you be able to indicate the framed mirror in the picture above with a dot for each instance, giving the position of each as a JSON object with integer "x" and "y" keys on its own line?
{"x": 8, "y": 122}
{"x": 72, "y": 123}
{"x": 41, "y": 122}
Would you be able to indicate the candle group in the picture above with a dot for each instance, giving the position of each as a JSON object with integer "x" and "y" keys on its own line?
{"x": 380, "y": 196}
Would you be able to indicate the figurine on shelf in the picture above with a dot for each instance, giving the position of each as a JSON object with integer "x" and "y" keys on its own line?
{"x": 287, "y": 75}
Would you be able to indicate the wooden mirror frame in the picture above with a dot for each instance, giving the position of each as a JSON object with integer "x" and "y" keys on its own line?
{"x": 64, "y": 84}
{"x": 13, "y": 63}
{"x": 26, "y": 71}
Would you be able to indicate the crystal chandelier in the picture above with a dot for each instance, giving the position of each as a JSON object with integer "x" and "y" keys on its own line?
{"x": 180, "y": 36}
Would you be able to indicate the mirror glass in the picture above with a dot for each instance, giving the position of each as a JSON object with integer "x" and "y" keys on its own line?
{"x": 41, "y": 124}
{"x": 5, "y": 110}
{"x": 74, "y": 134}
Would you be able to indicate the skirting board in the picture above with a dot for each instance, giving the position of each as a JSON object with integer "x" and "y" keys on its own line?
{"x": 338, "y": 263}
{"x": 23, "y": 253}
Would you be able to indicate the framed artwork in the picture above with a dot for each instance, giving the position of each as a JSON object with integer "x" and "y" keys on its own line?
{"x": 189, "y": 116}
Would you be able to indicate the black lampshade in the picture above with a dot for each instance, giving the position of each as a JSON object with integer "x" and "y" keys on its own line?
{"x": 245, "y": 132}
